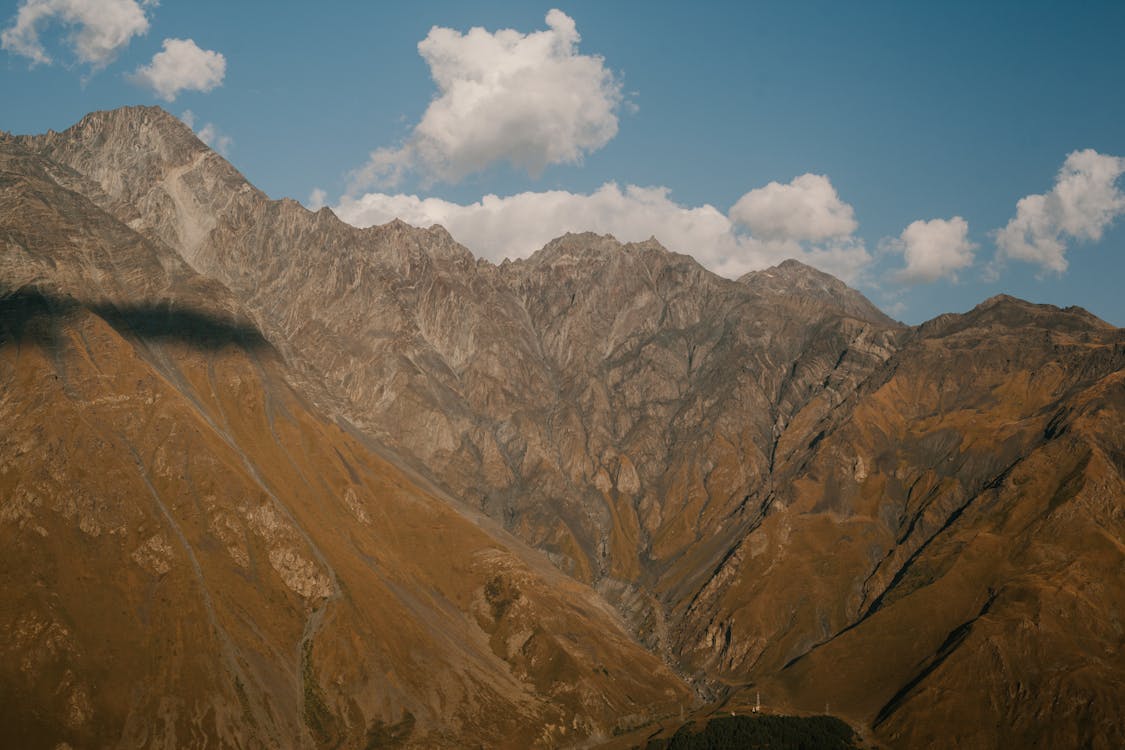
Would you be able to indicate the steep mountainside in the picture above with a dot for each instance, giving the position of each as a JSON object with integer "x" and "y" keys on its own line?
{"x": 779, "y": 488}
{"x": 612, "y": 404}
{"x": 951, "y": 546}
{"x": 192, "y": 555}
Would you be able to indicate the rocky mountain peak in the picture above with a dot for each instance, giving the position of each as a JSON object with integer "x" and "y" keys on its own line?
{"x": 151, "y": 172}
{"x": 597, "y": 259}
{"x": 1005, "y": 312}
{"x": 130, "y": 136}
{"x": 433, "y": 242}
{"x": 794, "y": 282}
{"x": 1002, "y": 304}
{"x": 574, "y": 247}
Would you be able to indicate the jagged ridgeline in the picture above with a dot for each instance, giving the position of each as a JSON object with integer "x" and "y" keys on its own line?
{"x": 331, "y": 459}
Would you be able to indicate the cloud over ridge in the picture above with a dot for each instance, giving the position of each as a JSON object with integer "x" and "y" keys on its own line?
{"x": 531, "y": 100}
{"x": 515, "y": 226}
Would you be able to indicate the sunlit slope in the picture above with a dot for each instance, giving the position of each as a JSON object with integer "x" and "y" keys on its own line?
{"x": 944, "y": 560}
{"x": 193, "y": 555}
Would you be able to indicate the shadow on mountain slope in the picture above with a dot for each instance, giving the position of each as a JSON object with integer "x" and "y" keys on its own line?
{"x": 31, "y": 315}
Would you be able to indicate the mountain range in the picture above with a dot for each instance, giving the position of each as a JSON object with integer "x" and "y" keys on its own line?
{"x": 271, "y": 480}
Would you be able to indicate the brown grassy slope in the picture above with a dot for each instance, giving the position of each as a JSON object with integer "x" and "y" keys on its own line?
{"x": 945, "y": 563}
{"x": 191, "y": 554}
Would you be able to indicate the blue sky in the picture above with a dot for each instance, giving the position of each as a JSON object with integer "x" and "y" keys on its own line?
{"x": 865, "y": 117}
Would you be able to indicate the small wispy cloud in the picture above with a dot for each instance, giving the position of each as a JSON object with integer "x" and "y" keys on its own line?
{"x": 181, "y": 66}
{"x": 209, "y": 133}
{"x": 318, "y": 199}
{"x": 220, "y": 142}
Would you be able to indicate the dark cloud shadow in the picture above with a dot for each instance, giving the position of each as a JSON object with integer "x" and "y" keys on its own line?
{"x": 31, "y": 315}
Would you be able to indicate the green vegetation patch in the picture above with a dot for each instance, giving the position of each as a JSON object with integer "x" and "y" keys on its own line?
{"x": 318, "y": 718}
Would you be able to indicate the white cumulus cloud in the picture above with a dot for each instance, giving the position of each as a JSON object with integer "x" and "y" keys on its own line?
{"x": 528, "y": 99}
{"x": 98, "y": 28}
{"x": 516, "y": 226}
{"x": 933, "y": 249}
{"x": 1083, "y": 203}
{"x": 181, "y": 66}
{"x": 807, "y": 208}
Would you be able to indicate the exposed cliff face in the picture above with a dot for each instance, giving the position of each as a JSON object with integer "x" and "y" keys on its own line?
{"x": 677, "y": 386}
{"x": 191, "y": 554}
{"x": 775, "y": 484}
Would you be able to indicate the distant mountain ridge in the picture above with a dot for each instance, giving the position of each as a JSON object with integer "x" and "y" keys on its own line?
{"x": 778, "y": 487}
